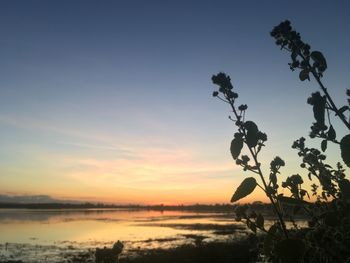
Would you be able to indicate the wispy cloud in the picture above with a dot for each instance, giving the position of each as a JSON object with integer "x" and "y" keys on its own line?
{"x": 153, "y": 169}
{"x": 121, "y": 151}
{"x": 119, "y": 168}
{"x": 28, "y": 123}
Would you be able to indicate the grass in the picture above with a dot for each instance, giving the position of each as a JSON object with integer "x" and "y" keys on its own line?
{"x": 218, "y": 252}
{"x": 241, "y": 251}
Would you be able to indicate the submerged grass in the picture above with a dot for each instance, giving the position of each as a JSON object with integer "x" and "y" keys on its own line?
{"x": 204, "y": 227}
{"x": 240, "y": 251}
{"x": 220, "y": 252}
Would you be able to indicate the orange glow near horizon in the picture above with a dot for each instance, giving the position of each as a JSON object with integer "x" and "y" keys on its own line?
{"x": 149, "y": 177}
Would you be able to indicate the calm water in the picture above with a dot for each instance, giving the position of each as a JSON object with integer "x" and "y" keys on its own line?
{"x": 49, "y": 235}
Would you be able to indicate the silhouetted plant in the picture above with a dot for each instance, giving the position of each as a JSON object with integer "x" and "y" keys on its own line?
{"x": 327, "y": 239}
{"x": 109, "y": 255}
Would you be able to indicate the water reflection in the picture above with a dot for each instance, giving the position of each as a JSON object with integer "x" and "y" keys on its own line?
{"x": 52, "y": 226}
{"x": 30, "y": 234}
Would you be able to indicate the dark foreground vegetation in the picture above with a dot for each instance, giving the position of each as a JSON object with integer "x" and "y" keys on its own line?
{"x": 327, "y": 239}
{"x": 223, "y": 252}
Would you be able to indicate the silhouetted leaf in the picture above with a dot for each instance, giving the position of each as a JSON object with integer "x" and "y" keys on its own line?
{"x": 318, "y": 57}
{"x": 247, "y": 187}
{"x": 291, "y": 200}
{"x": 260, "y": 221}
{"x": 251, "y": 226}
{"x": 345, "y": 149}
{"x": 309, "y": 176}
{"x": 331, "y": 133}
{"x": 236, "y": 147}
{"x": 304, "y": 74}
{"x": 273, "y": 179}
{"x": 319, "y": 106}
{"x": 344, "y": 186}
{"x": 252, "y": 133}
{"x": 290, "y": 250}
{"x": 324, "y": 145}
{"x": 251, "y": 126}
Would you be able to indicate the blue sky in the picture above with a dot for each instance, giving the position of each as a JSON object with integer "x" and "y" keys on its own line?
{"x": 111, "y": 100}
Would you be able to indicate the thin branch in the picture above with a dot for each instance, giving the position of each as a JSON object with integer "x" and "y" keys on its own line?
{"x": 277, "y": 210}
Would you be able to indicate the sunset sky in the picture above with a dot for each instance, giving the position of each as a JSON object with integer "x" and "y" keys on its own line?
{"x": 111, "y": 100}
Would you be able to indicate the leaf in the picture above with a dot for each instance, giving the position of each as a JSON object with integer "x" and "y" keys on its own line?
{"x": 319, "y": 108}
{"x": 251, "y": 126}
{"x": 318, "y": 57}
{"x": 251, "y": 226}
{"x": 345, "y": 149}
{"x": 309, "y": 175}
{"x": 290, "y": 250}
{"x": 331, "y": 135}
{"x": 236, "y": 147}
{"x": 252, "y": 133}
{"x": 260, "y": 221}
{"x": 246, "y": 187}
{"x": 273, "y": 179}
{"x": 344, "y": 186}
{"x": 304, "y": 74}
{"x": 291, "y": 200}
{"x": 324, "y": 145}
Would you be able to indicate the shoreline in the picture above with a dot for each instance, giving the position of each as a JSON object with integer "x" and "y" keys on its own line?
{"x": 241, "y": 250}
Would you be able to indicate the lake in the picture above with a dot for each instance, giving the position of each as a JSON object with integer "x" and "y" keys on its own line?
{"x": 51, "y": 235}
{"x": 56, "y": 235}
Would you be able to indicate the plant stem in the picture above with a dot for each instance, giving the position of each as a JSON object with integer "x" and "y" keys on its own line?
{"x": 279, "y": 214}
{"x": 324, "y": 89}
{"x": 254, "y": 155}
{"x": 334, "y": 108}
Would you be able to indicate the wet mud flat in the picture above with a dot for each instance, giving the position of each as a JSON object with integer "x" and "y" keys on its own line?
{"x": 203, "y": 243}
{"x": 216, "y": 251}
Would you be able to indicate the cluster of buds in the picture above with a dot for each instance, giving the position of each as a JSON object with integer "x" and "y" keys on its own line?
{"x": 289, "y": 39}
{"x": 286, "y": 37}
{"x": 293, "y": 183}
{"x": 275, "y": 165}
{"x": 313, "y": 161}
{"x": 225, "y": 86}
{"x": 311, "y": 156}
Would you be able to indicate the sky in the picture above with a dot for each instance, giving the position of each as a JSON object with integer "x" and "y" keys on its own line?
{"x": 112, "y": 100}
